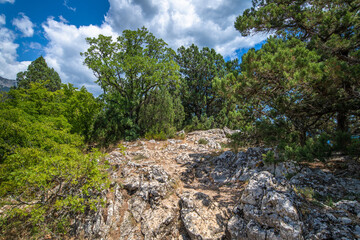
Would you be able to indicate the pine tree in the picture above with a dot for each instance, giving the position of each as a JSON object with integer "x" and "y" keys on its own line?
{"x": 38, "y": 71}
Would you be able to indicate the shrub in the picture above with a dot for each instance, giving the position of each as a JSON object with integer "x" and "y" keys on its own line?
{"x": 157, "y": 136}
{"x": 44, "y": 174}
{"x": 203, "y": 141}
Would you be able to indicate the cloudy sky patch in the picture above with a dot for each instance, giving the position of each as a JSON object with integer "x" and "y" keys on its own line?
{"x": 23, "y": 24}
{"x": 7, "y": 1}
{"x": 61, "y": 39}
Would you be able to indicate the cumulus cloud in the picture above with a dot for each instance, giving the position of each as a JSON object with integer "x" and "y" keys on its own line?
{"x": 2, "y": 19}
{"x": 202, "y": 22}
{"x": 63, "y": 51}
{"x": 5, "y": 1}
{"x": 24, "y": 24}
{"x": 9, "y": 66}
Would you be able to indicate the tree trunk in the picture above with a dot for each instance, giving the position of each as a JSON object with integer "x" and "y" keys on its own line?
{"x": 302, "y": 137}
{"x": 342, "y": 125}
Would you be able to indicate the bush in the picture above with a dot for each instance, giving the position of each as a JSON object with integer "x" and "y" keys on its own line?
{"x": 204, "y": 123}
{"x": 203, "y": 141}
{"x": 156, "y": 136}
{"x": 161, "y": 115}
{"x": 44, "y": 174}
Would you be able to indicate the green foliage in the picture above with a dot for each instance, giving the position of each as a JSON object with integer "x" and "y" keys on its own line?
{"x": 236, "y": 141}
{"x": 156, "y": 135}
{"x": 204, "y": 123}
{"x": 160, "y": 115}
{"x": 308, "y": 72}
{"x": 330, "y": 26}
{"x": 203, "y": 141}
{"x": 112, "y": 124}
{"x": 81, "y": 109}
{"x": 131, "y": 70}
{"x": 269, "y": 157}
{"x": 38, "y": 71}
{"x": 306, "y": 192}
{"x": 198, "y": 70}
{"x": 121, "y": 148}
{"x": 44, "y": 175}
{"x": 353, "y": 148}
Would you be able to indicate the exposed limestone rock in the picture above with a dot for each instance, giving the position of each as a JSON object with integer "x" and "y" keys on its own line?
{"x": 266, "y": 206}
{"x": 183, "y": 158}
{"x": 202, "y": 217}
{"x": 159, "y": 223}
{"x": 179, "y": 189}
{"x": 350, "y": 206}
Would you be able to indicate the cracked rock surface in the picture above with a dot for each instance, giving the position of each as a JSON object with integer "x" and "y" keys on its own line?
{"x": 182, "y": 189}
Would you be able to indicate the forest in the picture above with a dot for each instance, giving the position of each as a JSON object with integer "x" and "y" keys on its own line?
{"x": 299, "y": 95}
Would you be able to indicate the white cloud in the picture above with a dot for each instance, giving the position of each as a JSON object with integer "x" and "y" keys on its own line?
{"x": 2, "y": 19}
{"x": 63, "y": 51}
{"x": 9, "y": 1}
{"x": 62, "y": 19}
{"x": 202, "y": 22}
{"x": 9, "y": 66}
{"x": 68, "y": 7}
{"x": 24, "y": 24}
{"x": 35, "y": 46}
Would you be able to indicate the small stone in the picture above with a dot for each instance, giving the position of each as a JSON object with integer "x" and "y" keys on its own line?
{"x": 345, "y": 220}
{"x": 357, "y": 231}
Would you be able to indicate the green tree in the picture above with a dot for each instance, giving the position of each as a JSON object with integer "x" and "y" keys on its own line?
{"x": 161, "y": 114}
{"x": 130, "y": 69}
{"x": 198, "y": 70}
{"x": 38, "y": 71}
{"x": 331, "y": 29}
{"x": 81, "y": 108}
{"x": 45, "y": 177}
{"x": 281, "y": 79}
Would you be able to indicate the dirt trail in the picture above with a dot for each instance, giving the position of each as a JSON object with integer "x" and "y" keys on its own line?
{"x": 189, "y": 163}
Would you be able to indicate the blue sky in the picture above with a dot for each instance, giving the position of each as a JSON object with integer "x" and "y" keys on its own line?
{"x": 57, "y": 30}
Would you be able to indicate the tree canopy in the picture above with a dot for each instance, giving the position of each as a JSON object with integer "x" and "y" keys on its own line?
{"x": 45, "y": 176}
{"x": 129, "y": 70}
{"x": 306, "y": 73}
{"x": 38, "y": 71}
{"x": 198, "y": 69}
{"x": 330, "y": 30}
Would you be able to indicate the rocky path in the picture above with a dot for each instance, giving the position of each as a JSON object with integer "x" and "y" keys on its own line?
{"x": 193, "y": 188}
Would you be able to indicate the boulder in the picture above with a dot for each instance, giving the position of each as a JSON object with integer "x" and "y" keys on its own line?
{"x": 202, "y": 217}
{"x": 266, "y": 208}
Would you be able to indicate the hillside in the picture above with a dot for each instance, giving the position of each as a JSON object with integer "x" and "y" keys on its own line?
{"x": 6, "y": 84}
{"x": 181, "y": 189}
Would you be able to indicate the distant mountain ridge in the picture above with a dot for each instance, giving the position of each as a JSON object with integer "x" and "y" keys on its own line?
{"x": 6, "y": 84}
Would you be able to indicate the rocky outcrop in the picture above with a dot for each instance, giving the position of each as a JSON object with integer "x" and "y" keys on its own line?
{"x": 192, "y": 189}
{"x": 202, "y": 217}
{"x": 139, "y": 207}
{"x": 266, "y": 211}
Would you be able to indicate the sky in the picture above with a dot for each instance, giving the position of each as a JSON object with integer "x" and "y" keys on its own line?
{"x": 56, "y": 30}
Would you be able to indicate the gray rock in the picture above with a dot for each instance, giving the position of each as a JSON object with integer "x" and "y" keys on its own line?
{"x": 202, "y": 217}
{"x": 237, "y": 228}
{"x": 183, "y": 158}
{"x": 137, "y": 205}
{"x": 357, "y": 231}
{"x": 267, "y": 207}
{"x": 350, "y": 206}
{"x": 158, "y": 223}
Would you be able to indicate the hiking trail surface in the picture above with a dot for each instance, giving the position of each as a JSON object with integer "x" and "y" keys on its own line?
{"x": 196, "y": 188}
